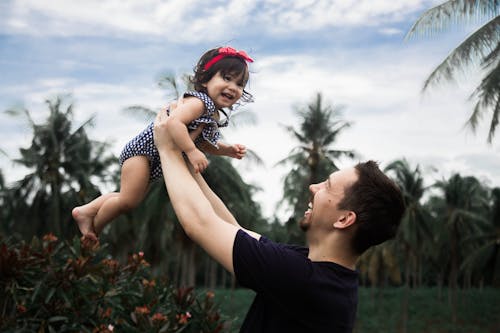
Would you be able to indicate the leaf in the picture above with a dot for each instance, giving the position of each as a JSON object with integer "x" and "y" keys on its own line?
{"x": 112, "y": 293}
{"x": 165, "y": 327}
{"x": 58, "y": 318}
{"x": 37, "y": 290}
{"x": 50, "y": 294}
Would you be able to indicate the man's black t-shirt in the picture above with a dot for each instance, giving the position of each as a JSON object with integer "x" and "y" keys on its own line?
{"x": 294, "y": 294}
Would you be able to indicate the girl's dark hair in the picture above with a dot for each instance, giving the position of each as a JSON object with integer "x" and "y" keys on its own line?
{"x": 227, "y": 65}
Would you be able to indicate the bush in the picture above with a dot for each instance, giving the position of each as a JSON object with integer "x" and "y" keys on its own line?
{"x": 53, "y": 286}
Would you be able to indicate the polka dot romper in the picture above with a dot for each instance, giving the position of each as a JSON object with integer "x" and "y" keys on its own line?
{"x": 143, "y": 144}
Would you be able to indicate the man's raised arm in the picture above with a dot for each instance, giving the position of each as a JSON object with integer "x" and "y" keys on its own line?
{"x": 192, "y": 207}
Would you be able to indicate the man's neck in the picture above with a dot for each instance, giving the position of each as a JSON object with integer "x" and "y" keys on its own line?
{"x": 333, "y": 249}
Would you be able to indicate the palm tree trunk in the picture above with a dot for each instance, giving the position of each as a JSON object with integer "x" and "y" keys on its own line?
{"x": 191, "y": 265}
{"x": 177, "y": 266}
{"x": 213, "y": 274}
{"x": 452, "y": 291}
{"x": 403, "y": 323}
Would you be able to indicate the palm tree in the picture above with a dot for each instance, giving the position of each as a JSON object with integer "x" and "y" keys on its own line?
{"x": 314, "y": 158}
{"x": 481, "y": 47}
{"x": 413, "y": 233}
{"x": 483, "y": 259}
{"x": 462, "y": 213}
{"x": 62, "y": 160}
{"x": 379, "y": 265}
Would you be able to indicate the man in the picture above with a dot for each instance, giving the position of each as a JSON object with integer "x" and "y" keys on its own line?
{"x": 298, "y": 289}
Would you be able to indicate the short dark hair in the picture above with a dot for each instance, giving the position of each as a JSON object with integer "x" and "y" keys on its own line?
{"x": 378, "y": 204}
{"x": 227, "y": 65}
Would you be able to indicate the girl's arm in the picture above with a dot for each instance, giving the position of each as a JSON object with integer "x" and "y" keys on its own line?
{"x": 181, "y": 114}
{"x": 235, "y": 151}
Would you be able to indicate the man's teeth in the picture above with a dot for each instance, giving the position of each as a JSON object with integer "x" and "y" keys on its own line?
{"x": 310, "y": 205}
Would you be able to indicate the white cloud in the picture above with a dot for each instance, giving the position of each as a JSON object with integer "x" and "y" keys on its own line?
{"x": 196, "y": 20}
{"x": 175, "y": 20}
{"x": 391, "y": 31}
{"x": 381, "y": 95}
{"x": 379, "y": 86}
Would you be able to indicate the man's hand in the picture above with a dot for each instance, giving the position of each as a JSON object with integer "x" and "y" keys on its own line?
{"x": 161, "y": 135}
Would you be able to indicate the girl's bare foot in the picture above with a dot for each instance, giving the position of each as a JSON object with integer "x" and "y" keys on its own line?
{"x": 85, "y": 222}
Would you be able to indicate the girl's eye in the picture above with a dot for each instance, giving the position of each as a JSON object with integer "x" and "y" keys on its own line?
{"x": 227, "y": 77}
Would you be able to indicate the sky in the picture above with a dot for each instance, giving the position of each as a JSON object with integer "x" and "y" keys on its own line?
{"x": 109, "y": 54}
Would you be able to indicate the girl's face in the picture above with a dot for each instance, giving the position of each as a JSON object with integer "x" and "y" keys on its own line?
{"x": 225, "y": 89}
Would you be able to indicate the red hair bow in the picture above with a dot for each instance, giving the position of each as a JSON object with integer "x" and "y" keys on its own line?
{"x": 227, "y": 52}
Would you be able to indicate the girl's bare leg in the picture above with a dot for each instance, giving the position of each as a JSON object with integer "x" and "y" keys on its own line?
{"x": 93, "y": 217}
{"x": 133, "y": 188}
{"x": 84, "y": 215}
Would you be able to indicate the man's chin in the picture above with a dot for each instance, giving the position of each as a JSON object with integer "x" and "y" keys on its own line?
{"x": 304, "y": 223}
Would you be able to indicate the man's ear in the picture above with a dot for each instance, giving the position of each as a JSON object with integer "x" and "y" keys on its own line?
{"x": 345, "y": 220}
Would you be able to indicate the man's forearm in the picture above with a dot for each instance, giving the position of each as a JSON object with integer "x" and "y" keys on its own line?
{"x": 188, "y": 200}
{"x": 194, "y": 211}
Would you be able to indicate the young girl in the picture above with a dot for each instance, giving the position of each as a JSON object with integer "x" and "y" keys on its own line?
{"x": 219, "y": 81}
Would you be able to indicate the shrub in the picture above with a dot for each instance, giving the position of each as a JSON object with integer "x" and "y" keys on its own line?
{"x": 73, "y": 286}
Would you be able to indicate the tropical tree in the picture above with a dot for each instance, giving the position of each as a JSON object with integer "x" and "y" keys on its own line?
{"x": 314, "y": 158}
{"x": 414, "y": 233}
{"x": 4, "y": 201}
{"x": 65, "y": 168}
{"x": 379, "y": 265}
{"x": 464, "y": 202}
{"x": 483, "y": 259}
{"x": 481, "y": 47}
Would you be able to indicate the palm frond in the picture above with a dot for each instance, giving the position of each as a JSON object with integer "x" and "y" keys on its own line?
{"x": 140, "y": 112}
{"x": 243, "y": 118}
{"x": 253, "y": 158}
{"x": 294, "y": 133}
{"x": 488, "y": 98}
{"x": 478, "y": 45}
{"x": 296, "y": 156}
{"x": 453, "y": 12}
{"x": 21, "y": 112}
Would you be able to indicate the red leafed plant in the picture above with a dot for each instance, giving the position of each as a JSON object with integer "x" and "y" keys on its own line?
{"x": 60, "y": 286}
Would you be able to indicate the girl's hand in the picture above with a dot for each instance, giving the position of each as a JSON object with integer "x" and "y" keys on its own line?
{"x": 236, "y": 151}
{"x": 197, "y": 159}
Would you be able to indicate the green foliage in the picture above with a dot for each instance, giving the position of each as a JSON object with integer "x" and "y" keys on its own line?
{"x": 62, "y": 162}
{"x": 379, "y": 310}
{"x": 51, "y": 286}
{"x": 65, "y": 167}
{"x": 235, "y": 304}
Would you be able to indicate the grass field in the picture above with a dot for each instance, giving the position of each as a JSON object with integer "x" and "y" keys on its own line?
{"x": 380, "y": 310}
